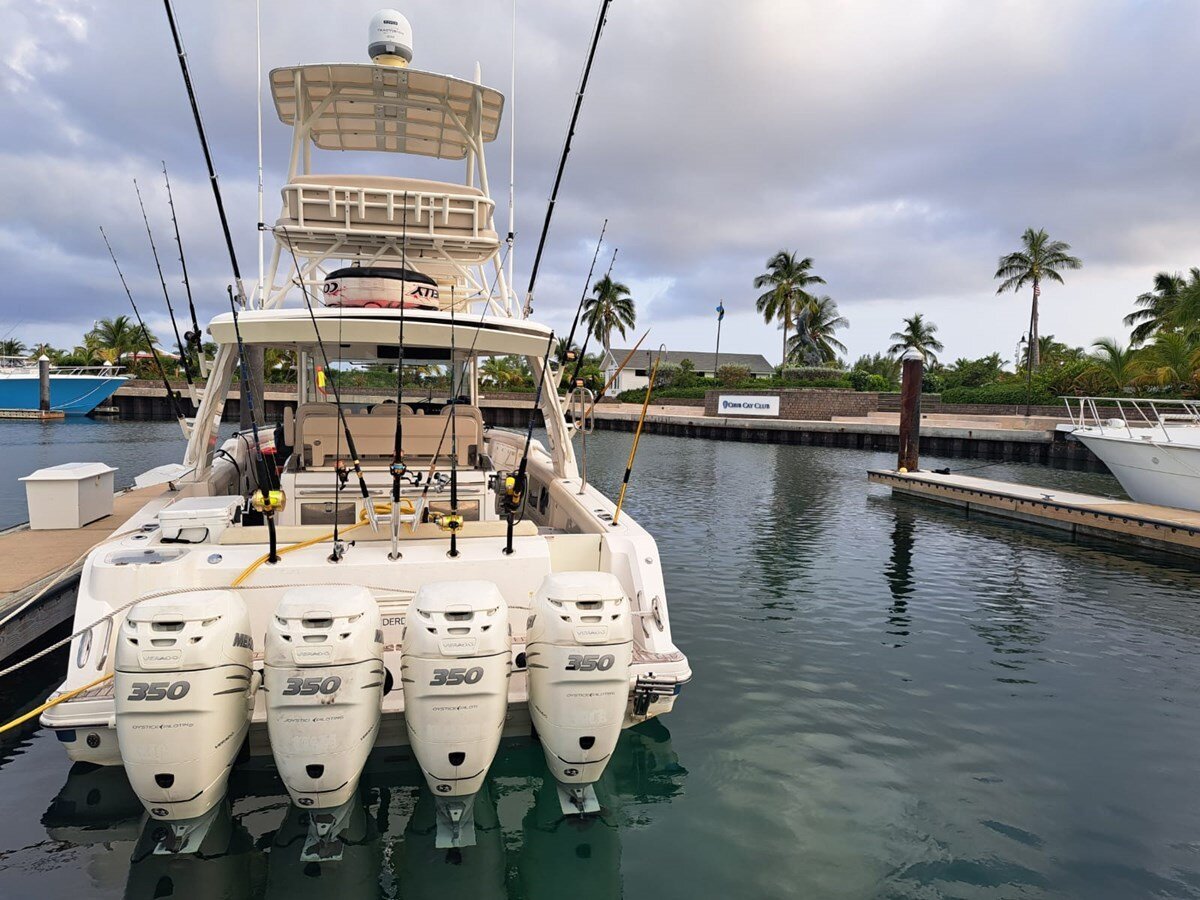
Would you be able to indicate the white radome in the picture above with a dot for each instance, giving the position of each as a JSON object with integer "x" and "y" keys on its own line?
{"x": 389, "y": 39}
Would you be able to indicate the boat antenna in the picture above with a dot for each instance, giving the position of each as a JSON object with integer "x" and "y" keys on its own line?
{"x": 514, "y": 485}
{"x": 566, "y": 151}
{"x": 208, "y": 160}
{"x": 588, "y": 334}
{"x": 172, "y": 396}
{"x": 637, "y": 436}
{"x": 183, "y": 357}
{"x": 267, "y": 499}
{"x": 512, "y": 153}
{"x": 258, "y": 106}
{"x": 192, "y": 337}
{"x": 569, "y": 354}
{"x": 454, "y": 522}
{"x": 336, "y": 556}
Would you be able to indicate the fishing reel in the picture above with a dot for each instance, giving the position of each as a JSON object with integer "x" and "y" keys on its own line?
{"x": 268, "y": 502}
{"x": 342, "y": 473}
{"x": 450, "y": 522}
{"x": 510, "y": 492}
{"x": 439, "y": 481}
{"x": 399, "y": 472}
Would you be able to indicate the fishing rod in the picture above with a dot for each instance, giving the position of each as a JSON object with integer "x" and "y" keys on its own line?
{"x": 171, "y": 395}
{"x": 566, "y": 151}
{"x": 208, "y": 160}
{"x": 267, "y": 499}
{"x": 637, "y": 437}
{"x": 588, "y": 336}
{"x": 192, "y": 337}
{"x": 183, "y": 357}
{"x": 514, "y": 485}
{"x": 454, "y": 522}
{"x": 615, "y": 375}
{"x": 336, "y": 556}
{"x": 569, "y": 353}
{"x": 398, "y": 469}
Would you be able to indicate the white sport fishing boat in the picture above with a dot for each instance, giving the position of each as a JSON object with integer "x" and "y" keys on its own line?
{"x": 1151, "y": 446}
{"x": 369, "y": 574}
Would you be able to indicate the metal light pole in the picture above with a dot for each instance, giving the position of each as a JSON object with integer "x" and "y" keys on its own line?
{"x": 720, "y": 317}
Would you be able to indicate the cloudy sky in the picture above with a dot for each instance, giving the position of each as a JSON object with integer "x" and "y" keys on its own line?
{"x": 903, "y": 145}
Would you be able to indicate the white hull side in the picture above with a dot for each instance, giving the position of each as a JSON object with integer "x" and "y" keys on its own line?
{"x": 1150, "y": 471}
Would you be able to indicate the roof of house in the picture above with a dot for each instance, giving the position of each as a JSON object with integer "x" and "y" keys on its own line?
{"x": 703, "y": 361}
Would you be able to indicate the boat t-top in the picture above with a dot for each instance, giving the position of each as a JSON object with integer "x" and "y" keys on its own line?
{"x": 371, "y": 573}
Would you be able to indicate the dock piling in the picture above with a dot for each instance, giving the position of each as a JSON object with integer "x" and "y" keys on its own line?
{"x": 912, "y": 372}
{"x": 44, "y": 383}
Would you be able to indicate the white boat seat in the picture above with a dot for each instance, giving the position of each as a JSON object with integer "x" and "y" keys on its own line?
{"x": 319, "y": 433}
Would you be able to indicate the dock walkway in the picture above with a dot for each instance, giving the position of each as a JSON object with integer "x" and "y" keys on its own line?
{"x": 1155, "y": 527}
{"x": 30, "y": 560}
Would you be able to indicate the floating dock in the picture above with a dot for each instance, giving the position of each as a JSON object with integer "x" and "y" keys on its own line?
{"x": 33, "y": 559}
{"x": 36, "y": 414}
{"x": 1141, "y": 524}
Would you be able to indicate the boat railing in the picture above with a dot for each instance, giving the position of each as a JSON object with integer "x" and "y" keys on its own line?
{"x": 13, "y": 364}
{"x": 1132, "y": 413}
{"x": 456, "y": 222}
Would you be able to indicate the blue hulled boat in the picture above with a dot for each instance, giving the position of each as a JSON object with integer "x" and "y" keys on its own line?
{"x": 74, "y": 390}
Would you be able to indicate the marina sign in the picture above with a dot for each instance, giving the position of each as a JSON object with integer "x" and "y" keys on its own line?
{"x": 747, "y": 405}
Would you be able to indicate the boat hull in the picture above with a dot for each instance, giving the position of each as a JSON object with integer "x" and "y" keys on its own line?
{"x": 75, "y": 395}
{"x": 1150, "y": 471}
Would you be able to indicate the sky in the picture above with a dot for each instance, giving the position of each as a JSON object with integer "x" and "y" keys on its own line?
{"x": 904, "y": 146}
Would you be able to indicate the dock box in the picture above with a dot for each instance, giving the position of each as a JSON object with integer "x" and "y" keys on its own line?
{"x": 69, "y": 495}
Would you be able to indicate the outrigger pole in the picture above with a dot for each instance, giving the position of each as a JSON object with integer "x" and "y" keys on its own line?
{"x": 566, "y": 151}
{"x": 620, "y": 369}
{"x": 192, "y": 337}
{"x": 171, "y": 394}
{"x": 183, "y": 357}
{"x": 453, "y": 522}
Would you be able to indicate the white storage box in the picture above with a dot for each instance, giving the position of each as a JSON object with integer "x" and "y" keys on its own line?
{"x": 198, "y": 520}
{"x": 69, "y": 496}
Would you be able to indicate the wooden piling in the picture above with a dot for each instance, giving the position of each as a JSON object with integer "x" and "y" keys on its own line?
{"x": 44, "y": 383}
{"x": 913, "y": 370}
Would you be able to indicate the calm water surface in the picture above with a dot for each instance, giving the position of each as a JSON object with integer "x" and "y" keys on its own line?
{"x": 890, "y": 700}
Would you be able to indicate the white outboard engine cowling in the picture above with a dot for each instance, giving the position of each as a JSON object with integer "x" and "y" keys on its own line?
{"x": 579, "y": 645}
{"x": 456, "y": 665}
{"x": 184, "y": 692}
{"x": 324, "y": 676}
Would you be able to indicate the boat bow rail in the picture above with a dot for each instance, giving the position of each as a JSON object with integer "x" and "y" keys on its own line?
{"x": 1134, "y": 417}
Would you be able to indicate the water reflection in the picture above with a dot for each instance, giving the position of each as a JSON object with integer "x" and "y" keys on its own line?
{"x": 899, "y": 574}
{"x": 525, "y": 847}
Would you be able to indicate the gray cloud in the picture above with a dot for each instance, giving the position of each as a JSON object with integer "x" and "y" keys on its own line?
{"x": 904, "y": 146}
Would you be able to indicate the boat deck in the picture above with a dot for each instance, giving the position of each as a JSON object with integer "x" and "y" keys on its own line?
{"x": 1155, "y": 527}
{"x": 32, "y": 559}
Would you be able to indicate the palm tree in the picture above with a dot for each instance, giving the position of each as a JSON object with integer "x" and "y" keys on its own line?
{"x": 815, "y": 327}
{"x": 1171, "y": 361}
{"x": 1159, "y": 307}
{"x": 110, "y": 339}
{"x": 1039, "y": 259}
{"x": 12, "y": 347}
{"x": 1116, "y": 366}
{"x": 918, "y": 334}
{"x": 786, "y": 279}
{"x": 610, "y": 310}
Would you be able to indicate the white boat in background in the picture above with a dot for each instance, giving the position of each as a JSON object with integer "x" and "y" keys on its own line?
{"x": 369, "y": 575}
{"x": 74, "y": 390}
{"x": 1151, "y": 446}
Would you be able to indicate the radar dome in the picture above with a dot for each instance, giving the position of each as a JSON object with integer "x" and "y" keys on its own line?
{"x": 389, "y": 40}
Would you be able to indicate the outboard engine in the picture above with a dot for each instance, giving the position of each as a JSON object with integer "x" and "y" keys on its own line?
{"x": 578, "y": 650}
{"x": 324, "y": 676}
{"x": 456, "y": 664}
{"x": 184, "y": 693}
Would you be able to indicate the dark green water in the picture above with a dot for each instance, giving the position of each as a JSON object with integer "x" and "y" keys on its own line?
{"x": 890, "y": 700}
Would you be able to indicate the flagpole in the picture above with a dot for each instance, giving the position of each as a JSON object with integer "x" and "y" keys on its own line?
{"x": 720, "y": 316}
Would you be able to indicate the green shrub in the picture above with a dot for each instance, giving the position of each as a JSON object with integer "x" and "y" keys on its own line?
{"x": 877, "y": 383}
{"x": 731, "y": 375}
{"x": 859, "y": 379}
{"x": 1009, "y": 394}
{"x": 932, "y": 383}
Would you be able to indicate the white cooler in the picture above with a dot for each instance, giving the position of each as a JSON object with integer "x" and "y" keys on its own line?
{"x": 69, "y": 496}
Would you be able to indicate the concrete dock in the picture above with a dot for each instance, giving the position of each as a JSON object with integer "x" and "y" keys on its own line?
{"x": 1123, "y": 521}
{"x": 33, "y": 559}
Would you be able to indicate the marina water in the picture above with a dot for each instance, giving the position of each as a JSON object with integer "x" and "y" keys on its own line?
{"x": 890, "y": 700}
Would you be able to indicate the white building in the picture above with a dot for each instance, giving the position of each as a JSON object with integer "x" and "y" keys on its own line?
{"x": 637, "y": 373}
